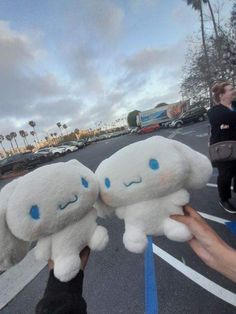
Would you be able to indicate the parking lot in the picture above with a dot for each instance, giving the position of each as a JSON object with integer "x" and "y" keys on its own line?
{"x": 168, "y": 279}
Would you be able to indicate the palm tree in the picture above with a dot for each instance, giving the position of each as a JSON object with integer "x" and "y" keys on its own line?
{"x": 1, "y": 140}
{"x": 26, "y": 134}
{"x": 65, "y": 126}
{"x": 197, "y": 5}
{"x": 13, "y": 136}
{"x": 212, "y": 17}
{"x": 33, "y": 125}
{"x": 9, "y": 138}
{"x": 23, "y": 135}
{"x": 59, "y": 126}
{"x": 33, "y": 133}
{"x": 52, "y": 136}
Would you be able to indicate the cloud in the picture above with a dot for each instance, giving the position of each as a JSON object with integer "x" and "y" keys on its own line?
{"x": 151, "y": 67}
{"x": 83, "y": 71}
{"x": 150, "y": 59}
{"x": 98, "y": 21}
{"x": 137, "y": 5}
{"x": 183, "y": 15}
{"x": 106, "y": 108}
{"x": 106, "y": 18}
{"x": 97, "y": 28}
{"x": 20, "y": 82}
{"x": 169, "y": 95}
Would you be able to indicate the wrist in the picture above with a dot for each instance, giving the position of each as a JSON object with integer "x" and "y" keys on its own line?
{"x": 225, "y": 262}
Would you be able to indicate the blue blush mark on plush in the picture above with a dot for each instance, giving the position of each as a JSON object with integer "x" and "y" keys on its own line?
{"x": 34, "y": 212}
{"x": 84, "y": 183}
{"x": 153, "y": 164}
{"x": 61, "y": 207}
{"x": 107, "y": 183}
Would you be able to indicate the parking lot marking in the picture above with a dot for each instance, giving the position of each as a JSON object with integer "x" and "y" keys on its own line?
{"x": 207, "y": 284}
{"x": 213, "y": 185}
{"x": 188, "y": 132}
{"x": 151, "y": 302}
{"x": 16, "y": 278}
{"x": 231, "y": 225}
{"x": 173, "y": 134}
{"x": 202, "y": 135}
{"x": 214, "y": 218}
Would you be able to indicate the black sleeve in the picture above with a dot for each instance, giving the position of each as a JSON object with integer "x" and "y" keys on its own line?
{"x": 63, "y": 297}
{"x": 222, "y": 116}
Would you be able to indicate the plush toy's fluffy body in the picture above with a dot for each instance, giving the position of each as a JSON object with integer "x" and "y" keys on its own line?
{"x": 54, "y": 205}
{"x": 146, "y": 182}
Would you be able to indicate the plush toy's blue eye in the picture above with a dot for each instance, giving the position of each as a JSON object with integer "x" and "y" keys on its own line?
{"x": 34, "y": 212}
{"x": 107, "y": 183}
{"x": 153, "y": 164}
{"x": 84, "y": 182}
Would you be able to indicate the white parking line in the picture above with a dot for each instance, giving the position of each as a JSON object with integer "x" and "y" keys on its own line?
{"x": 178, "y": 132}
{"x": 202, "y": 135}
{"x": 16, "y": 278}
{"x": 188, "y": 132}
{"x": 173, "y": 134}
{"x": 213, "y": 185}
{"x": 212, "y": 287}
{"x": 214, "y": 218}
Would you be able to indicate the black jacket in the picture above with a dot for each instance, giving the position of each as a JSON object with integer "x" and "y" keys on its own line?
{"x": 63, "y": 297}
{"x": 220, "y": 115}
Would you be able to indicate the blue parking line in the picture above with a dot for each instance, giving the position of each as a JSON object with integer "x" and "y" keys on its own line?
{"x": 151, "y": 299}
{"x": 231, "y": 225}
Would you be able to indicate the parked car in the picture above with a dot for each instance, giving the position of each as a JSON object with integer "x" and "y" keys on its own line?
{"x": 58, "y": 151}
{"x": 192, "y": 115}
{"x": 46, "y": 153}
{"x": 92, "y": 140}
{"x": 101, "y": 137}
{"x": 134, "y": 130}
{"x": 79, "y": 143}
{"x": 69, "y": 148}
{"x": 55, "y": 151}
{"x": 167, "y": 124}
{"x": 149, "y": 129}
{"x": 42, "y": 158}
{"x": 22, "y": 161}
{"x": 116, "y": 134}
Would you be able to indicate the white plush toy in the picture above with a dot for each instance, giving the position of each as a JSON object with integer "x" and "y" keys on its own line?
{"x": 146, "y": 182}
{"x": 12, "y": 249}
{"x": 54, "y": 205}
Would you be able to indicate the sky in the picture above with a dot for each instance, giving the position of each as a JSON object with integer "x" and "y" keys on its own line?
{"x": 84, "y": 61}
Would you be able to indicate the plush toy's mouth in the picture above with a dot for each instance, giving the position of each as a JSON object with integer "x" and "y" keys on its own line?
{"x": 70, "y": 202}
{"x": 133, "y": 182}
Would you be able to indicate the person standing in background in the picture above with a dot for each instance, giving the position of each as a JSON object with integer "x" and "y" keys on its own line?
{"x": 222, "y": 117}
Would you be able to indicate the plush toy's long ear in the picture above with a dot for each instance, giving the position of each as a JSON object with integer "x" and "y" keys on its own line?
{"x": 200, "y": 166}
{"x": 103, "y": 210}
{"x": 12, "y": 250}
